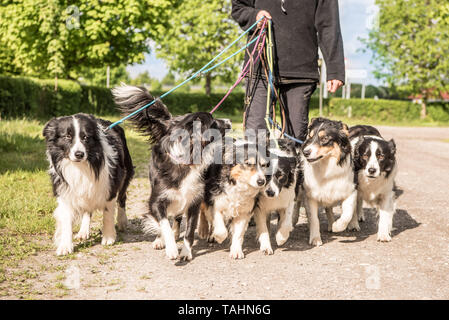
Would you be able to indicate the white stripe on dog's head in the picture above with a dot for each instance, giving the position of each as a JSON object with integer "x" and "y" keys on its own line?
{"x": 372, "y": 167}
{"x": 78, "y": 150}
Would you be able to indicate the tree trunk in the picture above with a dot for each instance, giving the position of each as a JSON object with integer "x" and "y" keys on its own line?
{"x": 424, "y": 108}
{"x": 207, "y": 86}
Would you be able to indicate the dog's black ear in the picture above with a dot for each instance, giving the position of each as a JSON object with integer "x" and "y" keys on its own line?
{"x": 313, "y": 121}
{"x": 392, "y": 146}
{"x": 357, "y": 163}
{"x": 345, "y": 144}
{"x": 50, "y": 129}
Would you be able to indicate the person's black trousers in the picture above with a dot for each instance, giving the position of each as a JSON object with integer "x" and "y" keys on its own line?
{"x": 296, "y": 98}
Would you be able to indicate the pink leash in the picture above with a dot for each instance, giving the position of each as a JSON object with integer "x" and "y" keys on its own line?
{"x": 245, "y": 69}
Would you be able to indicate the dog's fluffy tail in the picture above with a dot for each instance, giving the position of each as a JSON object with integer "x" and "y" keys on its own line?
{"x": 151, "y": 121}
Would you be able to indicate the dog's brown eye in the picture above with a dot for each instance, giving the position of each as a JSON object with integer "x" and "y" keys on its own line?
{"x": 365, "y": 157}
{"x": 85, "y": 138}
{"x": 68, "y": 137}
{"x": 380, "y": 157}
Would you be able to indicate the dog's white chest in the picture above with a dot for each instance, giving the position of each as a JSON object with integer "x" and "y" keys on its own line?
{"x": 282, "y": 201}
{"x": 328, "y": 184}
{"x": 237, "y": 200}
{"x": 181, "y": 198}
{"x": 373, "y": 189}
{"x": 83, "y": 189}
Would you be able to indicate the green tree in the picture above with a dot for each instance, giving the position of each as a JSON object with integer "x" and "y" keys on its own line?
{"x": 411, "y": 46}
{"x": 141, "y": 79}
{"x": 169, "y": 79}
{"x": 98, "y": 77}
{"x": 61, "y": 37}
{"x": 197, "y": 31}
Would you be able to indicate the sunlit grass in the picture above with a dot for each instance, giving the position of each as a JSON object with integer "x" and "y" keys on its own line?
{"x": 26, "y": 197}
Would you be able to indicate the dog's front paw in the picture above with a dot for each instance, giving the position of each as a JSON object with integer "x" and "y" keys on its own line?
{"x": 266, "y": 249}
{"x": 282, "y": 236}
{"x": 383, "y": 237}
{"x": 337, "y": 226}
{"x": 108, "y": 240}
{"x": 64, "y": 248}
{"x": 186, "y": 254}
{"x": 362, "y": 217}
{"x": 82, "y": 235}
{"x": 158, "y": 244}
{"x": 122, "y": 223}
{"x": 316, "y": 241}
{"x": 172, "y": 252}
{"x": 236, "y": 253}
{"x": 354, "y": 226}
{"x": 220, "y": 235}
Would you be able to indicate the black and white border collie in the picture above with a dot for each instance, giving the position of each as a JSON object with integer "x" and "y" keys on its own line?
{"x": 376, "y": 168}
{"x": 329, "y": 176}
{"x": 90, "y": 169}
{"x": 279, "y": 195}
{"x": 177, "y": 180}
{"x": 231, "y": 192}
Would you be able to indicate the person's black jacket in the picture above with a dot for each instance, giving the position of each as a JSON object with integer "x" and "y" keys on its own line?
{"x": 297, "y": 34}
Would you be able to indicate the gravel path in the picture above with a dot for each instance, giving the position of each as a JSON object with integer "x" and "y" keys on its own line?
{"x": 351, "y": 265}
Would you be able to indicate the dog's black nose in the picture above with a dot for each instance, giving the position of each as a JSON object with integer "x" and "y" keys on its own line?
{"x": 270, "y": 193}
{"x": 79, "y": 154}
{"x": 372, "y": 170}
{"x": 307, "y": 153}
{"x": 261, "y": 182}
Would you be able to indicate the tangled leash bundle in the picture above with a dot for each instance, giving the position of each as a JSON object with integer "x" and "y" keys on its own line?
{"x": 266, "y": 56}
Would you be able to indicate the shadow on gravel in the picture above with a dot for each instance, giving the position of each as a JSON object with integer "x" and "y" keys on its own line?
{"x": 298, "y": 240}
{"x": 402, "y": 221}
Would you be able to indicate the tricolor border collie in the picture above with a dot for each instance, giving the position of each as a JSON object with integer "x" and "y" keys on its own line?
{"x": 177, "y": 180}
{"x": 90, "y": 169}
{"x": 376, "y": 168}
{"x": 280, "y": 195}
{"x": 231, "y": 193}
{"x": 329, "y": 177}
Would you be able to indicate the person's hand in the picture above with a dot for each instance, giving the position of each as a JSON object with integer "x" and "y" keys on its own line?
{"x": 334, "y": 85}
{"x": 260, "y": 14}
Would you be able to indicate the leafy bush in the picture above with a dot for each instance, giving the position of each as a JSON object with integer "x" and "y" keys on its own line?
{"x": 438, "y": 111}
{"x": 35, "y": 98}
{"x": 382, "y": 110}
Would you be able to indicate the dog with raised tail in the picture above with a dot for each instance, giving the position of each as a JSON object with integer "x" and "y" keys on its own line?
{"x": 329, "y": 177}
{"x": 176, "y": 175}
{"x": 376, "y": 168}
{"x": 90, "y": 169}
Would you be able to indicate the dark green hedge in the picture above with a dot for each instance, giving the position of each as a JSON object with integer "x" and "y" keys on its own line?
{"x": 37, "y": 99}
{"x": 386, "y": 110}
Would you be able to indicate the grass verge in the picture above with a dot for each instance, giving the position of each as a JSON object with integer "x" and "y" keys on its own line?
{"x": 26, "y": 198}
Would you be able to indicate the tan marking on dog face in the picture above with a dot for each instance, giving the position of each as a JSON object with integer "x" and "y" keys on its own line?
{"x": 336, "y": 152}
{"x": 322, "y": 134}
{"x": 243, "y": 172}
{"x": 312, "y": 132}
{"x": 251, "y": 160}
{"x": 324, "y": 151}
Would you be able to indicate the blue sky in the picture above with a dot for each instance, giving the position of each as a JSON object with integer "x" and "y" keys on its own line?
{"x": 356, "y": 17}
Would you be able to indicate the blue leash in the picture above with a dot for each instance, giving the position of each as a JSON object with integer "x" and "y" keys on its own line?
{"x": 202, "y": 70}
{"x": 285, "y": 134}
